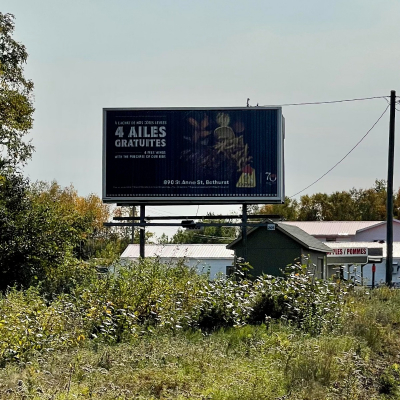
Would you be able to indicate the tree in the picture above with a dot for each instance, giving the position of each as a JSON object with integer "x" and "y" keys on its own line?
{"x": 43, "y": 227}
{"x": 15, "y": 222}
{"x": 163, "y": 239}
{"x": 33, "y": 237}
{"x": 123, "y": 234}
{"x": 396, "y": 205}
{"x": 341, "y": 207}
{"x": 353, "y": 205}
{"x": 210, "y": 234}
{"x": 83, "y": 215}
{"x": 16, "y": 106}
{"x": 288, "y": 211}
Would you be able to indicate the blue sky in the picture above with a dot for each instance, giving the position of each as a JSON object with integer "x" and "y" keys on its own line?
{"x": 89, "y": 54}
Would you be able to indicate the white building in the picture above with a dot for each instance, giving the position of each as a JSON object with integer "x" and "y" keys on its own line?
{"x": 215, "y": 258}
{"x": 369, "y": 234}
{"x": 348, "y": 231}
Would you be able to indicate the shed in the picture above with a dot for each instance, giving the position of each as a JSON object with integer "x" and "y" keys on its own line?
{"x": 271, "y": 248}
{"x": 215, "y": 258}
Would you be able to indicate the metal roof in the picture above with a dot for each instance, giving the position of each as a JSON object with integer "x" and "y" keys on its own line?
{"x": 197, "y": 251}
{"x": 303, "y": 237}
{"x": 334, "y": 228}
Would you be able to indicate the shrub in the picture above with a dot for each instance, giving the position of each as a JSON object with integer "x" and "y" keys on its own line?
{"x": 311, "y": 304}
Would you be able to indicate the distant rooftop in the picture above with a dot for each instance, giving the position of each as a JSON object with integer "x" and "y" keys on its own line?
{"x": 197, "y": 251}
{"x": 334, "y": 228}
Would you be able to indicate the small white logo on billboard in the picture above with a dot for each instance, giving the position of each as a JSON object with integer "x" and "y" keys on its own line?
{"x": 270, "y": 177}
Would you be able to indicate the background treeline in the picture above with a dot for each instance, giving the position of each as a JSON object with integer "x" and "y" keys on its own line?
{"x": 353, "y": 205}
{"x": 44, "y": 226}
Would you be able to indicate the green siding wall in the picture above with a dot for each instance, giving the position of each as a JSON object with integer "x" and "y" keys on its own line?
{"x": 269, "y": 252}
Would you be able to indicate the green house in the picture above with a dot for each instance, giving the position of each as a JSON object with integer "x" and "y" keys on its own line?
{"x": 270, "y": 249}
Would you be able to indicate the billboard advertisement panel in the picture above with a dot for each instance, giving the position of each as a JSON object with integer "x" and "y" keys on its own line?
{"x": 193, "y": 155}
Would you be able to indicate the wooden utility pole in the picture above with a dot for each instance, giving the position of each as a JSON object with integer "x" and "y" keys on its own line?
{"x": 389, "y": 202}
{"x": 244, "y": 231}
{"x": 133, "y": 228}
{"x": 142, "y": 230}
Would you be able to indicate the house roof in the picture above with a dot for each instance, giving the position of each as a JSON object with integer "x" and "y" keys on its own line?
{"x": 294, "y": 232}
{"x": 336, "y": 228}
{"x": 303, "y": 237}
{"x": 197, "y": 251}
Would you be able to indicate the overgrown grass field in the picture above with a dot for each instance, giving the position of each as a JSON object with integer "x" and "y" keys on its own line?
{"x": 159, "y": 331}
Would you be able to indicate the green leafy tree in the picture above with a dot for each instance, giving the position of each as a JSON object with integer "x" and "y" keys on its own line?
{"x": 43, "y": 227}
{"x": 210, "y": 234}
{"x": 15, "y": 224}
{"x": 16, "y": 106}
{"x": 123, "y": 234}
{"x": 163, "y": 239}
{"x": 34, "y": 237}
{"x": 353, "y": 205}
{"x": 83, "y": 215}
{"x": 371, "y": 203}
{"x": 341, "y": 207}
{"x": 396, "y": 205}
{"x": 288, "y": 211}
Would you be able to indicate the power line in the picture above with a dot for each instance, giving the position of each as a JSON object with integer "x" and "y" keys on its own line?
{"x": 332, "y": 101}
{"x": 327, "y": 172}
{"x": 318, "y": 103}
{"x": 214, "y": 237}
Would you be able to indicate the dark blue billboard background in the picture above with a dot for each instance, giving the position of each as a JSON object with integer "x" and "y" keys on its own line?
{"x": 221, "y": 154}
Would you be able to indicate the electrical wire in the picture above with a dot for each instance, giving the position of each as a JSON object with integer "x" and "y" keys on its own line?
{"x": 213, "y": 237}
{"x": 331, "y": 101}
{"x": 327, "y": 172}
{"x": 159, "y": 212}
{"x": 317, "y": 103}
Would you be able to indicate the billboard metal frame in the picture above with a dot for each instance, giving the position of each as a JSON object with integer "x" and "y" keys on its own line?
{"x": 194, "y": 200}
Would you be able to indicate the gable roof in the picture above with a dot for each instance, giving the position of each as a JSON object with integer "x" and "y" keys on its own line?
{"x": 395, "y": 221}
{"x": 302, "y": 237}
{"x": 197, "y": 251}
{"x": 295, "y": 233}
{"x": 336, "y": 228}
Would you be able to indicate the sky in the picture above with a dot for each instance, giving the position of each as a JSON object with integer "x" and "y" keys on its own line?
{"x": 88, "y": 55}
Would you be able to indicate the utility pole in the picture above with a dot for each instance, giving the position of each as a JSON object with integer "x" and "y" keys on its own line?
{"x": 133, "y": 228}
{"x": 244, "y": 231}
{"x": 389, "y": 202}
{"x": 142, "y": 230}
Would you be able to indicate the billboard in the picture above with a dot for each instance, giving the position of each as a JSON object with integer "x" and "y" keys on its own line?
{"x": 193, "y": 155}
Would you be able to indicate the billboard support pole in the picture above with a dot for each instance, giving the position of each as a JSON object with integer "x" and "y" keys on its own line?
{"x": 244, "y": 231}
{"x": 389, "y": 202}
{"x": 142, "y": 230}
{"x": 133, "y": 226}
